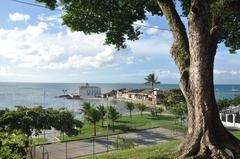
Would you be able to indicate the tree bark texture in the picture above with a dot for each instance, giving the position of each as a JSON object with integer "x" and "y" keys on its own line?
{"x": 206, "y": 136}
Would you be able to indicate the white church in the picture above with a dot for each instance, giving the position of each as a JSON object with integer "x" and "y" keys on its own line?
{"x": 89, "y": 91}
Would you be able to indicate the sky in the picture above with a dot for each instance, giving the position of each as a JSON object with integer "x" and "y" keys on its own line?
{"x": 36, "y": 47}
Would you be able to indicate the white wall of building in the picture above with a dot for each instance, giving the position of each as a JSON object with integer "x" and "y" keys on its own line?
{"x": 89, "y": 91}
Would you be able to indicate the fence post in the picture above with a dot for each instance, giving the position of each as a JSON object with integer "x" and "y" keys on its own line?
{"x": 34, "y": 151}
{"x": 66, "y": 149}
{"x": 43, "y": 154}
{"x": 107, "y": 141}
{"x": 117, "y": 142}
{"x": 93, "y": 145}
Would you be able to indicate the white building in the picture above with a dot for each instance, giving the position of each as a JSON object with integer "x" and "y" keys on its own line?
{"x": 89, "y": 91}
{"x": 147, "y": 96}
{"x": 230, "y": 116}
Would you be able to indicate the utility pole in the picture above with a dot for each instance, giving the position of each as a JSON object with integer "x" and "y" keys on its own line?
{"x": 64, "y": 93}
{"x": 107, "y": 125}
{"x": 44, "y": 133}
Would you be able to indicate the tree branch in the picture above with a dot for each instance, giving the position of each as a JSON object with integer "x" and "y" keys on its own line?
{"x": 180, "y": 47}
{"x": 231, "y": 5}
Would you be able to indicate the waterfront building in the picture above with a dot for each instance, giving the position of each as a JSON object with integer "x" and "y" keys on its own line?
{"x": 147, "y": 96}
{"x": 89, "y": 91}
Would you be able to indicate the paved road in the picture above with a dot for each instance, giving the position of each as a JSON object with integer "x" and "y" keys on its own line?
{"x": 101, "y": 144}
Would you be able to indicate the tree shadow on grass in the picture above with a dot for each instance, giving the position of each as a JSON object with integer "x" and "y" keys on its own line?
{"x": 160, "y": 117}
{"x": 232, "y": 129}
{"x": 124, "y": 128}
{"x": 121, "y": 121}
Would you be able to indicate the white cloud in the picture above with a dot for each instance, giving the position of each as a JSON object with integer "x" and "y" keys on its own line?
{"x": 52, "y": 18}
{"x": 37, "y": 47}
{"x": 130, "y": 60}
{"x": 227, "y": 72}
{"x": 6, "y": 71}
{"x": 154, "y": 45}
{"x": 227, "y": 76}
{"x": 18, "y": 17}
{"x": 22, "y": 45}
{"x": 34, "y": 47}
{"x": 106, "y": 58}
{"x": 166, "y": 74}
{"x": 152, "y": 31}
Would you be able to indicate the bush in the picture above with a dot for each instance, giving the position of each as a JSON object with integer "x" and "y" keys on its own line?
{"x": 156, "y": 112}
{"x": 123, "y": 143}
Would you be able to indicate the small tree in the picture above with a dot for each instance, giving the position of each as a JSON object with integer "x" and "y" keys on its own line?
{"x": 85, "y": 107}
{"x": 157, "y": 111}
{"x": 102, "y": 110}
{"x": 66, "y": 123}
{"x": 93, "y": 116}
{"x": 141, "y": 107}
{"x": 223, "y": 103}
{"x": 235, "y": 101}
{"x": 129, "y": 106}
{"x": 179, "y": 110}
{"x": 151, "y": 79}
{"x": 113, "y": 115}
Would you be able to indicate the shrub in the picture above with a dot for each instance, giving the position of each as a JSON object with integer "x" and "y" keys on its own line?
{"x": 123, "y": 143}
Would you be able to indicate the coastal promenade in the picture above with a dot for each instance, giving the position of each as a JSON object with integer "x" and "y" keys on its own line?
{"x": 84, "y": 147}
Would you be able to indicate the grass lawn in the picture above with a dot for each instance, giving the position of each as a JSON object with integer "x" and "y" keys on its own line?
{"x": 236, "y": 133}
{"x": 126, "y": 124}
{"x": 161, "y": 151}
{"x": 39, "y": 140}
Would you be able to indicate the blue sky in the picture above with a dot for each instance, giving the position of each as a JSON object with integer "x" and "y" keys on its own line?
{"x": 35, "y": 47}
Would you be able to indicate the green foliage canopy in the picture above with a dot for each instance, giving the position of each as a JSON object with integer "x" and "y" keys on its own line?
{"x": 141, "y": 107}
{"x": 113, "y": 114}
{"x": 130, "y": 107}
{"x": 102, "y": 110}
{"x": 179, "y": 109}
{"x": 116, "y": 18}
{"x": 37, "y": 119}
{"x": 13, "y": 144}
{"x": 225, "y": 102}
{"x": 152, "y": 79}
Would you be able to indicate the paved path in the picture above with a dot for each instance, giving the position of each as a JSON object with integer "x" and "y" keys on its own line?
{"x": 102, "y": 144}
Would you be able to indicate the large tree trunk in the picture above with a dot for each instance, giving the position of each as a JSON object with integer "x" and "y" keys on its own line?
{"x": 194, "y": 55}
{"x": 206, "y": 136}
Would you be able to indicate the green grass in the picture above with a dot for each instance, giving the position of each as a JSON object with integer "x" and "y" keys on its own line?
{"x": 236, "y": 133}
{"x": 161, "y": 151}
{"x": 127, "y": 124}
{"x": 39, "y": 140}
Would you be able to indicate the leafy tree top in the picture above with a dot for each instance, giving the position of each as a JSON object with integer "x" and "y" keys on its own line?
{"x": 129, "y": 106}
{"x": 152, "y": 79}
{"x": 113, "y": 114}
{"x": 36, "y": 119}
{"x": 115, "y": 18}
{"x": 179, "y": 109}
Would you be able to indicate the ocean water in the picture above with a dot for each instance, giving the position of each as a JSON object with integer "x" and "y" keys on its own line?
{"x": 45, "y": 94}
